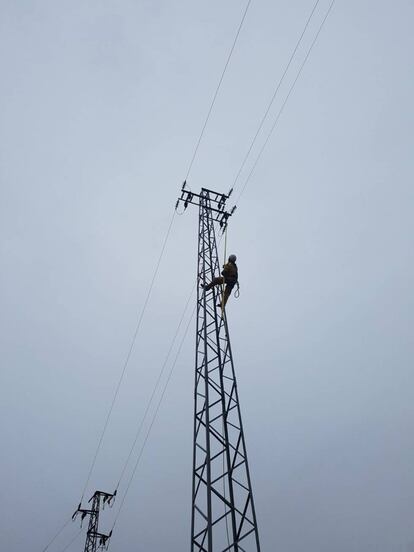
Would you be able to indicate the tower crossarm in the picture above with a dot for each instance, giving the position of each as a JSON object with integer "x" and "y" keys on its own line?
{"x": 217, "y": 202}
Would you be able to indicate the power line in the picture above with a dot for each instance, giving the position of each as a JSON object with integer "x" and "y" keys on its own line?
{"x": 284, "y": 102}
{"x": 275, "y": 94}
{"x": 153, "y": 418}
{"x": 57, "y": 535}
{"x": 217, "y": 90}
{"x": 155, "y": 388}
{"x": 72, "y": 541}
{"x": 128, "y": 356}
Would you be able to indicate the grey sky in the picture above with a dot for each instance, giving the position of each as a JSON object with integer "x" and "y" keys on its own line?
{"x": 101, "y": 106}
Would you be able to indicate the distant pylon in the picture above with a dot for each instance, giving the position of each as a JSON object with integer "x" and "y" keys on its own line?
{"x": 95, "y": 539}
{"x": 223, "y": 512}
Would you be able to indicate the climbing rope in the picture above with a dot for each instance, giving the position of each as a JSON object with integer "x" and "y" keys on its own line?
{"x": 224, "y": 262}
{"x": 237, "y": 292}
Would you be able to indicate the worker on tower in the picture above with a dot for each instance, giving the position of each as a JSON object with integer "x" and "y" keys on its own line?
{"x": 229, "y": 277}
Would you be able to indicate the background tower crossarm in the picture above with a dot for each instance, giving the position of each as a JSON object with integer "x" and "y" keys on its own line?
{"x": 94, "y": 538}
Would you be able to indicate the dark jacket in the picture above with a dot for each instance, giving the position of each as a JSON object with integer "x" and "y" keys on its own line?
{"x": 230, "y": 273}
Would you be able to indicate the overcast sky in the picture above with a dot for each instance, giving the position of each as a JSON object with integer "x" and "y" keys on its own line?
{"x": 101, "y": 105}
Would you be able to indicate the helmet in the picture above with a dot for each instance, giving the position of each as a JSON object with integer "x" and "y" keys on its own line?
{"x": 232, "y": 258}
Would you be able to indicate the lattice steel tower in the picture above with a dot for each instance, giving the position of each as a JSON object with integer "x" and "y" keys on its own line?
{"x": 95, "y": 539}
{"x": 223, "y": 513}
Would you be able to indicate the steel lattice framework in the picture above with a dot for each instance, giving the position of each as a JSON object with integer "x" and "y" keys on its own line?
{"x": 223, "y": 513}
{"x": 95, "y": 539}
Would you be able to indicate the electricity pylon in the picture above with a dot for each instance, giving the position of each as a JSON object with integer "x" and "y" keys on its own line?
{"x": 95, "y": 539}
{"x": 223, "y": 512}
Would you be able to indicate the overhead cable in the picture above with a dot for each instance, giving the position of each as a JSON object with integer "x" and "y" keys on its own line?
{"x": 217, "y": 90}
{"x": 284, "y": 102}
{"x": 72, "y": 541}
{"x": 128, "y": 356}
{"x": 279, "y": 84}
{"x": 157, "y": 383}
{"x": 52, "y": 540}
{"x": 154, "y": 417}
